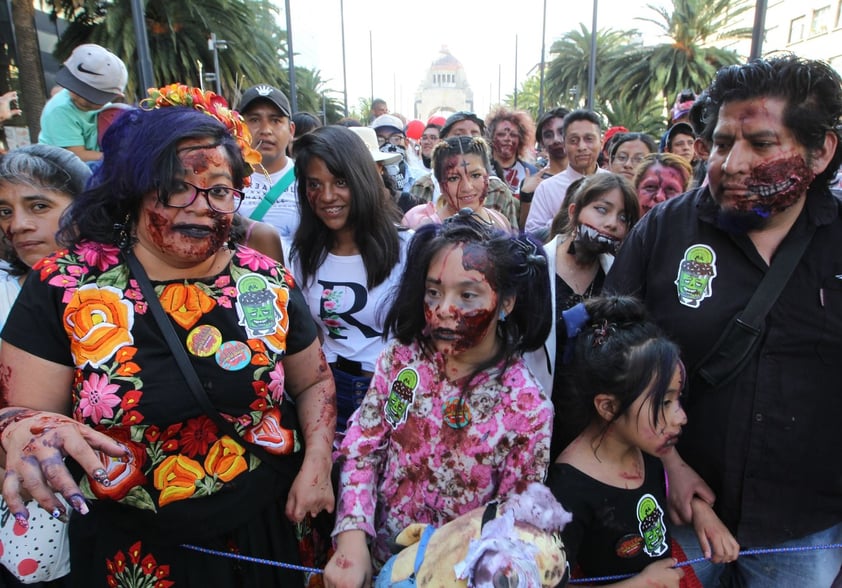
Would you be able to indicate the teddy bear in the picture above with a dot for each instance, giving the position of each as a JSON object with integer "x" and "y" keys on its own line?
{"x": 513, "y": 544}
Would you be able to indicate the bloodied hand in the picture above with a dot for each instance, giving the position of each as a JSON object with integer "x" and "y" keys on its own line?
{"x": 36, "y": 444}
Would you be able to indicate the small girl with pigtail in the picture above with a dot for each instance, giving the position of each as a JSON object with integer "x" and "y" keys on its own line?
{"x": 453, "y": 418}
{"x": 627, "y": 379}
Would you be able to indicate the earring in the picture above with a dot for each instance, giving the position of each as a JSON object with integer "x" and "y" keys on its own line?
{"x": 502, "y": 316}
{"x": 123, "y": 238}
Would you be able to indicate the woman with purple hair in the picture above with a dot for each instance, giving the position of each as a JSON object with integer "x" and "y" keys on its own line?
{"x": 97, "y": 407}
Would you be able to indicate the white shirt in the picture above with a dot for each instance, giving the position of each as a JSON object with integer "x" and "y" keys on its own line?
{"x": 349, "y": 316}
{"x": 549, "y": 196}
{"x": 284, "y": 214}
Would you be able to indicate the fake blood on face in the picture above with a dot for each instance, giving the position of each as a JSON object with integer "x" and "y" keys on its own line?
{"x": 460, "y": 304}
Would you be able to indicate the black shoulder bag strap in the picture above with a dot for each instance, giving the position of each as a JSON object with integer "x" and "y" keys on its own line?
{"x": 186, "y": 367}
{"x": 734, "y": 347}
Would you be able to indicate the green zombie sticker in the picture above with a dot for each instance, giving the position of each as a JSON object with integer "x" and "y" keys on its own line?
{"x": 650, "y": 519}
{"x": 695, "y": 274}
{"x": 400, "y": 397}
{"x": 256, "y": 305}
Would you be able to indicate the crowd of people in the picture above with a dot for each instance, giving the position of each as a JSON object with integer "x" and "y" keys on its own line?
{"x": 223, "y": 328}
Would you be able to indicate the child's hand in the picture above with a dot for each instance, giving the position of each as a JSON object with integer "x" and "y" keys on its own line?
{"x": 716, "y": 541}
{"x": 660, "y": 574}
{"x": 350, "y": 566}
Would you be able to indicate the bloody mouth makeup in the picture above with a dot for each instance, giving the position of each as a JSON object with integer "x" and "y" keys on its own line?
{"x": 776, "y": 185}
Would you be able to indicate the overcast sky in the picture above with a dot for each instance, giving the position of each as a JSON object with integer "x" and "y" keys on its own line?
{"x": 406, "y": 37}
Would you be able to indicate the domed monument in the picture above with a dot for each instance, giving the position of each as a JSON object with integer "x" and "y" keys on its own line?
{"x": 445, "y": 88}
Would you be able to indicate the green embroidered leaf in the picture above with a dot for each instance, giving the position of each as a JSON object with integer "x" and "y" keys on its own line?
{"x": 254, "y": 462}
{"x": 138, "y": 497}
{"x": 116, "y": 277}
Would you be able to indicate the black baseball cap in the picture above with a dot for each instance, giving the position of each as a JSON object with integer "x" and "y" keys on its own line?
{"x": 267, "y": 93}
{"x": 458, "y": 117}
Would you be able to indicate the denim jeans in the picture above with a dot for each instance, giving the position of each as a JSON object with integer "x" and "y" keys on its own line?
{"x": 814, "y": 569}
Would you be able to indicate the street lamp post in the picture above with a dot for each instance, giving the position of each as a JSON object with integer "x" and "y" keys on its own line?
{"x": 543, "y": 47}
{"x": 293, "y": 91}
{"x": 592, "y": 63}
{"x": 147, "y": 79}
{"x": 215, "y": 45}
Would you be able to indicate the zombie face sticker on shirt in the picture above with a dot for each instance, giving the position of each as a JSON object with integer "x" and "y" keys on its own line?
{"x": 650, "y": 518}
{"x": 401, "y": 395}
{"x": 695, "y": 275}
{"x": 256, "y": 305}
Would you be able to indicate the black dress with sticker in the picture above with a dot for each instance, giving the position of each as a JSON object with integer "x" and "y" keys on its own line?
{"x": 614, "y": 530}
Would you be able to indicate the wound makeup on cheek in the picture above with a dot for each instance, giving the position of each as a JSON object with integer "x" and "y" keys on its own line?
{"x": 778, "y": 184}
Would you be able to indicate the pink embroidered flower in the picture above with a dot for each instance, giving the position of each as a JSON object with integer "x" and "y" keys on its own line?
{"x": 276, "y": 382}
{"x": 329, "y": 304}
{"x": 230, "y": 291}
{"x": 222, "y": 281}
{"x": 98, "y": 255}
{"x": 98, "y": 399}
{"x": 254, "y": 260}
{"x": 224, "y": 302}
{"x": 133, "y": 294}
{"x": 64, "y": 281}
{"x": 77, "y": 270}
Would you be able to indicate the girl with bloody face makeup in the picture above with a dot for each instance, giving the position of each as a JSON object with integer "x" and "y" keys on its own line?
{"x": 453, "y": 418}
{"x": 87, "y": 375}
{"x": 586, "y": 234}
{"x": 461, "y": 167}
{"x": 626, "y": 380}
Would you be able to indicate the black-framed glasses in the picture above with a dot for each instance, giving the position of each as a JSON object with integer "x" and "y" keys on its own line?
{"x": 222, "y": 199}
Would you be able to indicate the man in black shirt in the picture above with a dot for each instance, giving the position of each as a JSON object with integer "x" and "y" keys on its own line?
{"x": 766, "y": 441}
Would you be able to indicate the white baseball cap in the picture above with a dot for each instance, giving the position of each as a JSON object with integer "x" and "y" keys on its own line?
{"x": 94, "y": 73}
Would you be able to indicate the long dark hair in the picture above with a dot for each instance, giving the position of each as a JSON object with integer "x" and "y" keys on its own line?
{"x": 140, "y": 156}
{"x": 519, "y": 270}
{"x": 373, "y": 214}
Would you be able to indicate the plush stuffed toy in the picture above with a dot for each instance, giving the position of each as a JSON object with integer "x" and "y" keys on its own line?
{"x": 516, "y": 544}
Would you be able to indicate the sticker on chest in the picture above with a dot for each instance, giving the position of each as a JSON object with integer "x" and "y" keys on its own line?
{"x": 696, "y": 272}
{"x": 401, "y": 395}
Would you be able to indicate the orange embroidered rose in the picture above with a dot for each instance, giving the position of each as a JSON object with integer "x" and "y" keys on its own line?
{"x": 176, "y": 478}
{"x": 123, "y": 473}
{"x": 186, "y": 303}
{"x": 225, "y": 459}
{"x": 98, "y": 321}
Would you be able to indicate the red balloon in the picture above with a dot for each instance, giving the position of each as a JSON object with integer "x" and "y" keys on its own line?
{"x": 437, "y": 120}
{"x": 414, "y": 129}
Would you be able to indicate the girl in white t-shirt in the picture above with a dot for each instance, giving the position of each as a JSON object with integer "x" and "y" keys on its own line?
{"x": 347, "y": 254}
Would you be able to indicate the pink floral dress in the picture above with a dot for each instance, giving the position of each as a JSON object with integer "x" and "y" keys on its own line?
{"x": 420, "y": 450}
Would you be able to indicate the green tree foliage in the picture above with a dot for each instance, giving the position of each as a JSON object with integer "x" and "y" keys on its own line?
{"x": 566, "y": 76}
{"x": 178, "y": 33}
{"x": 690, "y": 57}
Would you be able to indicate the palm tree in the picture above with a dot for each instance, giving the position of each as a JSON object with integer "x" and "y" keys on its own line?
{"x": 527, "y": 96}
{"x": 566, "y": 78}
{"x": 690, "y": 58}
{"x": 178, "y": 39}
{"x": 30, "y": 73}
{"x": 314, "y": 97}
{"x": 647, "y": 119}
